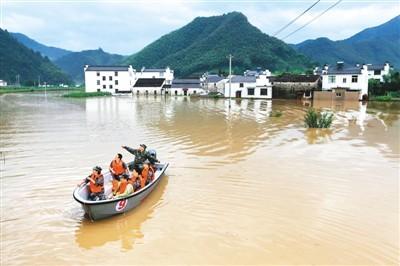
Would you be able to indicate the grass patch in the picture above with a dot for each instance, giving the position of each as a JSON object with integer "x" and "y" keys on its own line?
{"x": 31, "y": 89}
{"x": 82, "y": 94}
{"x": 275, "y": 114}
{"x": 314, "y": 119}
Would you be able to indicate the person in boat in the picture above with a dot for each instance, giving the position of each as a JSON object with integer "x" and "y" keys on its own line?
{"x": 125, "y": 188}
{"x": 117, "y": 168}
{"x": 136, "y": 181}
{"x": 148, "y": 173}
{"x": 141, "y": 155}
{"x": 96, "y": 184}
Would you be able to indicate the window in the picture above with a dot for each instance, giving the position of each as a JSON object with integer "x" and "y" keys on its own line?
{"x": 137, "y": 92}
{"x": 241, "y": 85}
{"x": 377, "y": 72}
{"x": 147, "y": 92}
{"x": 338, "y": 94}
{"x": 110, "y": 77}
{"x": 104, "y": 77}
{"x": 116, "y": 73}
{"x": 110, "y": 86}
{"x": 176, "y": 92}
{"x": 98, "y": 90}
{"x": 194, "y": 92}
{"x": 104, "y": 86}
{"x": 264, "y": 92}
{"x": 250, "y": 91}
{"x": 116, "y": 82}
{"x": 155, "y": 92}
{"x": 354, "y": 79}
{"x": 344, "y": 80}
{"x": 98, "y": 82}
{"x": 98, "y": 74}
{"x": 331, "y": 79}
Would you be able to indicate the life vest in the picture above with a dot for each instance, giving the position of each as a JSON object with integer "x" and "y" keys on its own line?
{"x": 118, "y": 168}
{"x": 92, "y": 185}
{"x": 148, "y": 175}
{"x": 122, "y": 186}
{"x": 115, "y": 186}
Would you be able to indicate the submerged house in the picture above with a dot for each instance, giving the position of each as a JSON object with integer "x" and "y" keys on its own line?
{"x": 146, "y": 86}
{"x": 213, "y": 83}
{"x": 288, "y": 86}
{"x": 113, "y": 79}
{"x": 344, "y": 82}
{"x": 185, "y": 87}
{"x": 248, "y": 87}
{"x": 378, "y": 71}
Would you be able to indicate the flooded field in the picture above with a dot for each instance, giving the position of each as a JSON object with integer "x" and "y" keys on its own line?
{"x": 243, "y": 187}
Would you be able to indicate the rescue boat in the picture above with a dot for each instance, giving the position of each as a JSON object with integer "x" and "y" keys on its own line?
{"x": 101, "y": 209}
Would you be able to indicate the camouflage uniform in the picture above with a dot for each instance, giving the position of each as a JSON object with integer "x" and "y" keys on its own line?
{"x": 140, "y": 159}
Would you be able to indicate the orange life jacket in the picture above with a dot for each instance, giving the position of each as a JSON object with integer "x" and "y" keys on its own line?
{"x": 122, "y": 186}
{"x": 147, "y": 174}
{"x": 118, "y": 168}
{"x": 92, "y": 185}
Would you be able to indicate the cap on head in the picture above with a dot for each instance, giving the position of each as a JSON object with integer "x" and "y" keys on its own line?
{"x": 143, "y": 146}
{"x": 119, "y": 155}
{"x": 97, "y": 168}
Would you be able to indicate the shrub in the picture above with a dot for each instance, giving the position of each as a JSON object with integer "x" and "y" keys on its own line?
{"x": 314, "y": 119}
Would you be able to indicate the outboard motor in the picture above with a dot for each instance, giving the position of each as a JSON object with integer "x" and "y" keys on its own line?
{"x": 152, "y": 152}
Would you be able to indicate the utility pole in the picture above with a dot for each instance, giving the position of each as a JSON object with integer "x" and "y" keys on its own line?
{"x": 230, "y": 78}
{"x": 39, "y": 81}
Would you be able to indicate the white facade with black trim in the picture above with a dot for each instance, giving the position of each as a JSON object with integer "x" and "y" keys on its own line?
{"x": 113, "y": 79}
{"x": 258, "y": 87}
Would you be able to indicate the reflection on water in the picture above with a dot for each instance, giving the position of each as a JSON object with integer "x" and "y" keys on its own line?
{"x": 125, "y": 228}
{"x": 243, "y": 186}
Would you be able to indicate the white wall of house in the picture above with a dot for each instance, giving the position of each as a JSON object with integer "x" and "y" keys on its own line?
{"x": 348, "y": 81}
{"x": 262, "y": 88}
{"x": 3, "y": 83}
{"x": 181, "y": 91}
{"x": 147, "y": 90}
{"x": 109, "y": 81}
{"x": 166, "y": 74}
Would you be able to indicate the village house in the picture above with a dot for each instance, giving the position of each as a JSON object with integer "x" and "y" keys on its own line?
{"x": 289, "y": 86}
{"x": 113, "y": 79}
{"x": 258, "y": 71}
{"x": 159, "y": 73}
{"x": 378, "y": 71}
{"x": 3, "y": 83}
{"x": 213, "y": 83}
{"x": 146, "y": 86}
{"x": 185, "y": 87}
{"x": 248, "y": 87}
{"x": 342, "y": 82}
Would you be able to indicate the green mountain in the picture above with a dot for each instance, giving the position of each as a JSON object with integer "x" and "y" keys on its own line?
{"x": 373, "y": 45}
{"x": 16, "y": 59}
{"x": 73, "y": 63}
{"x": 203, "y": 45}
{"x": 51, "y": 52}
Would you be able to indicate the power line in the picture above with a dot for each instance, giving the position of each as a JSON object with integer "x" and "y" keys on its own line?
{"x": 312, "y": 20}
{"x": 293, "y": 20}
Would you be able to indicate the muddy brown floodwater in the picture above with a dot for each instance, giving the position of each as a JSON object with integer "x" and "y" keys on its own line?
{"x": 243, "y": 187}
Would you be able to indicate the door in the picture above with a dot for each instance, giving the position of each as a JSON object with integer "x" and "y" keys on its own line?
{"x": 185, "y": 92}
{"x": 238, "y": 94}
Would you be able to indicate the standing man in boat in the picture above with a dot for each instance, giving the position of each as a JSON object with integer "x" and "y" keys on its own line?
{"x": 117, "y": 168}
{"x": 96, "y": 184}
{"x": 141, "y": 155}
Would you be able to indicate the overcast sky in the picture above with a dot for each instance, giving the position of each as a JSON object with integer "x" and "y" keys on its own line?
{"x": 126, "y": 26}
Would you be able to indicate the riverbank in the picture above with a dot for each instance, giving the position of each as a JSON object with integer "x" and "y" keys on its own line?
{"x": 82, "y": 94}
{"x": 4, "y": 90}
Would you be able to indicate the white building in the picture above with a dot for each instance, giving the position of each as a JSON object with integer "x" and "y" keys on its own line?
{"x": 378, "y": 71}
{"x": 159, "y": 73}
{"x": 249, "y": 87}
{"x": 212, "y": 83}
{"x": 113, "y": 79}
{"x": 186, "y": 87}
{"x": 351, "y": 78}
{"x": 3, "y": 83}
{"x": 146, "y": 86}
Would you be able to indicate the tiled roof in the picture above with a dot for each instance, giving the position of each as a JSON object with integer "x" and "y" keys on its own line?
{"x": 214, "y": 79}
{"x": 344, "y": 70}
{"x": 153, "y": 70}
{"x": 107, "y": 68}
{"x": 295, "y": 78}
{"x": 185, "y": 83}
{"x": 150, "y": 82}
{"x": 376, "y": 67}
{"x": 242, "y": 79}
